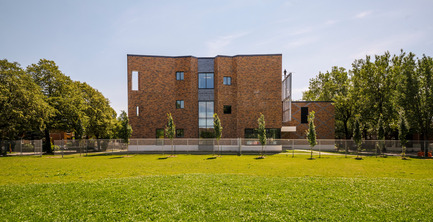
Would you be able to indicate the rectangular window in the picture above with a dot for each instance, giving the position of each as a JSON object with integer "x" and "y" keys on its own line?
{"x": 205, "y": 114}
{"x": 250, "y": 133}
{"x": 227, "y": 109}
{"x": 179, "y": 133}
{"x": 179, "y": 75}
{"x": 227, "y": 80}
{"x": 137, "y": 110}
{"x": 134, "y": 80}
{"x": 205, "y": 81}
{"x": 304, "y": 114}
{"x": 160, "y": 133}
{"x": 271, "y": 133}
{"x": 179, "y": 104}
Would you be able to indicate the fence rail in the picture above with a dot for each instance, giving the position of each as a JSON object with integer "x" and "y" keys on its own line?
{"x": 194, "y": 145}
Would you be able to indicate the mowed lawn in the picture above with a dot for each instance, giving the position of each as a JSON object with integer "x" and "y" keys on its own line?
{"x": 203, "y": 188}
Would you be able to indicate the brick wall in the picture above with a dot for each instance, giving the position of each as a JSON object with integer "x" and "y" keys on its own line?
{"x": 324, "y": 120}
{"x": 158, "y": 92}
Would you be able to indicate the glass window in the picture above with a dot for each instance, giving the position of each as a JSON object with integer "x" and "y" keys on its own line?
{"x": 138, "y": 110}
{"x": 202, "y": 123}
{"x": 205, "y": 114}
{"x": 227, "y": 80}
{"x": 179, "y": 133}
{"x": 179, "y": 75}
{"x": 160, "y": 133}
{"x": 209, "y": 109}
{"x": 205, "y": 81}
{"x": 134, "y": 80}
{"x": 227, "y": 109}
{"x": 179, "y": 104}
{"x": 304, "y": 114}
{"x": 202, "y": 109}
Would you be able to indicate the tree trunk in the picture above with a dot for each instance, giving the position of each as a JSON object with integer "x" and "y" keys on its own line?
{"x": 47, "y": 145}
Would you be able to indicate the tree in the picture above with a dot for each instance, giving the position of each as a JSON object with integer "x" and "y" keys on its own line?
{"x": 170, "y": 131}
{"x": 22, "y": 105}
{"x": 403, "y": 130}
{"x": 374, "y": 87}
{"x": 100, "y": 118}
{"x": 311, "y": 132}
{"x": 380, "y": 135}
{"x": 415, "y": 93}
{"x": 62, "y": 96}
{"x": 261, "y": 132}
{"x": 124, "y": 130}
{"x": 357, "y": 137}
{"x": 334, "y": 86}
{"x": 218, "y": 130}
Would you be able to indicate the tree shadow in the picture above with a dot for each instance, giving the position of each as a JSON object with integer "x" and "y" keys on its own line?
{"x": 162, "y": 158}
{"x": 212, "y": 158}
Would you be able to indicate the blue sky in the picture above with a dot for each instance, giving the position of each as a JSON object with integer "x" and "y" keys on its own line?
{"x": 89, "y": 40}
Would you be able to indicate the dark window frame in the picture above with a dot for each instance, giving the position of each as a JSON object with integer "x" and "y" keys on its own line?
{"x": 206, "y": 118}
{"x": 304, "y": 115}
{"x": 180, "y": 105}
{"x": 206, "y": 82}
{"x": 227, "y": 80}
{"x": 178, "y": 132}
{"x": 227, "y": 109}
{"x": 180, "y": 77}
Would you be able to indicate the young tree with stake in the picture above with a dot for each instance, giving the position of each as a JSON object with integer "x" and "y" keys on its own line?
{"x": 311, "y": 133}
{"x": 218, "y": 130}
{"x": 170, "y": 131}
{"x": 261, "y": 132}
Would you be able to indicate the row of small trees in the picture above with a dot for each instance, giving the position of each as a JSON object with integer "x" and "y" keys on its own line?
{"x": 39, "y": 99}
{"x": 170, "y": 131}
{"x": 403, "y": 130}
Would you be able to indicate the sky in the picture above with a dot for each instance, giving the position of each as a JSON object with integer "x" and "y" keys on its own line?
{"x": 89, "y": 40}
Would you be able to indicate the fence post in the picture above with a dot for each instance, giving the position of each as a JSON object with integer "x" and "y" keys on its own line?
{"x": 345, "y": 148}
{"x": 21, "y": 147}
{"x": 319, "y": 149}
{"x": 293, "y": 148}
{"x": 240, "y": 146}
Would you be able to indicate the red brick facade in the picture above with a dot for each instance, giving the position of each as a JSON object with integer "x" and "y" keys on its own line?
{"x": 324, "y": 120}
{"x": 255, "y": 88}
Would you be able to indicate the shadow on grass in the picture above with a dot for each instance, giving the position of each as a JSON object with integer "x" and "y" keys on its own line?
{"x": 162, "y": 158}
{"x": 116, "y": 157}
{"x": 260, "y": 158}
{"x": 212, "y": 158}
{"x": 311, "y": 158}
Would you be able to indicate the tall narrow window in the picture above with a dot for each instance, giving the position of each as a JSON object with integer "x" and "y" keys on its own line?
{"x": 179, "y": 104}
{"x": 227, "y": 80}
{"x": 304, "y": 114}
{"x": 179, "y": 75}
{"x": 138, "y": 110}
{"x": 134, "y": 80}
{"x": 205, "y": 114}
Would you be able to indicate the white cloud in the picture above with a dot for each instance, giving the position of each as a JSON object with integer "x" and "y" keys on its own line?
{"x": 217, "y": 46}
{"x": 301, "y": 42}
{"x": 363, "y": 14}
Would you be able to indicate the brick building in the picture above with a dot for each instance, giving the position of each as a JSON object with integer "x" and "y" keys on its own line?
{"x": 324, "y": 119}
{"x": 237, "y": 88}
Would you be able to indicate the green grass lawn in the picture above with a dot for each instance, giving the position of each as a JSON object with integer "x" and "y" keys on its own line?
{"x": 198, "y": 187}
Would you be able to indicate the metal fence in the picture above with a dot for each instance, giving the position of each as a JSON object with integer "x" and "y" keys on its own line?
{"x": 212, "y": 146}
{"x": 21, "y": 147}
